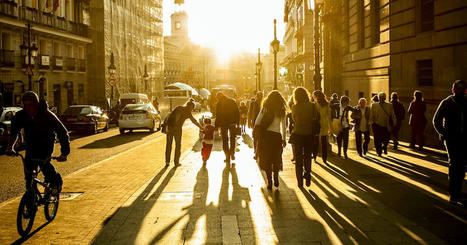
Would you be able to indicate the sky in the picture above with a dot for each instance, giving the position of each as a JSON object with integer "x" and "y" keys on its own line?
{"x": 231, "y": 26}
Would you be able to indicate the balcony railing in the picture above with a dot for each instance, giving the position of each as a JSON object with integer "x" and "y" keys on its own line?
{"x": 48, "y": 19}
{"x": 9, "y": 8}
{"x": 6, "y": 58}
{"x": 81, "y": 65}
{"x": 70, "y": 64}
{"x": 57, "y": 63}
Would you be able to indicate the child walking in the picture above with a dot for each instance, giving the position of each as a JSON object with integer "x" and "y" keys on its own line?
{"x": 208, "y": 140}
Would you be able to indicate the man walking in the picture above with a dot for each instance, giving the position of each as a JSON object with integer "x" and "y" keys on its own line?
{"x": 450, "y": 121}
{"x": 227, "y": 119}
{"x": 360, "y": 119}
{"x": 399, "y": 112}
{"x": 381, "y": 114}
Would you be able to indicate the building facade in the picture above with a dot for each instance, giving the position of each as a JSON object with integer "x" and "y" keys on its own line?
{"x": 396, "y": 46}
{"x": 131, "y": 32}
{"x": 59, "y": 30}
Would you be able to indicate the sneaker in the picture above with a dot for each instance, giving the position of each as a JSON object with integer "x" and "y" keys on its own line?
{"x": 178, "y": 164}
{"x": 167, "y": 164}
{"x": 232, "y": 157}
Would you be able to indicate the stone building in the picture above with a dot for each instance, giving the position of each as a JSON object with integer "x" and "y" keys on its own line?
{"x": 132, "y": 32}
{"x": 185, "y": 61}
{"x": 299, "y": 43}
{"x": 59, "y": 30}
{"x": 395, "y": 46}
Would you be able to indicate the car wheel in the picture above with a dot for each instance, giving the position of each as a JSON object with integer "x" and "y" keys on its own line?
{"x": 122, "y": 131}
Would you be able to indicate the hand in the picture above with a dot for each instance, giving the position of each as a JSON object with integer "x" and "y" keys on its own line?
{"x": 10, "y": 152}
{"x": 61, "y": 158}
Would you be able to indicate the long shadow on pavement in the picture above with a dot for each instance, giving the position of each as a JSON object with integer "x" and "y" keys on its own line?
{"x": 26, "y": 238}
{"x": 116, "y": 140}
{"x": 126, "y": 222}
{"x": 420, "y": 208}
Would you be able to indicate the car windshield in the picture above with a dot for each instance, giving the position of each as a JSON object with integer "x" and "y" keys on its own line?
{"x": 77, "y": 111}
{"x": 136, "y": 108}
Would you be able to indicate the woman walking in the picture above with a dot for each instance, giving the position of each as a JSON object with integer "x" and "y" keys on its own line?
{"x": 361, "y": 121}
{"x": 417, "y": 120}
{"x": 324, "y": 122}
{"x": 343, "y": 136}
{"x": 243, "y": 116}
{"x": 271, "y": 121}
{"x": 304, "y": 114}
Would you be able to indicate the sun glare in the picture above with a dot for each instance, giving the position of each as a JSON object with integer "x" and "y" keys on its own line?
{"x": 230, "y": 26}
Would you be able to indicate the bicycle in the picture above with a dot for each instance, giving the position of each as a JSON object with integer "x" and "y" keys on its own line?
{"x": 27, "y": 210}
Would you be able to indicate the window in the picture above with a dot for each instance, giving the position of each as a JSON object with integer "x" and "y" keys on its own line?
{"x": 361, "y": 23}
{"x": 6, "y": 41}
{"x": 375, "y": 23}
{"x": 178, "y": 25}
{"x": 425, "y": 72}
{"x": 426, "y": 16}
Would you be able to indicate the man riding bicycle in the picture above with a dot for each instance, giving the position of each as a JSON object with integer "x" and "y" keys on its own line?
{"x": 40, "y": 127}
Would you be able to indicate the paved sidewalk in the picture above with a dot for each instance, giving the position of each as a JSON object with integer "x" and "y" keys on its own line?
{"x": 133, "y": 199}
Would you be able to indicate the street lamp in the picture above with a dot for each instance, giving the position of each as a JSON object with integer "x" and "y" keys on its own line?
{"x": 259, "y": 65}
{"x": 30, "y": 52}
{"x": 275, "y": 45}
{"x": 317, "y": 74}
{"x": 112, "y": 70}
{"x": 146, "y": 78}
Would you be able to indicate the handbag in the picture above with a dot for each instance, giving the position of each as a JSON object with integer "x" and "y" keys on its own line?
{"x": 237, "y": 130}
{"x": 265, "y": 121}
{"x": 390, "y": 122}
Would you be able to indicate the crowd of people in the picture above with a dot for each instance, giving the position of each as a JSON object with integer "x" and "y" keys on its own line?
{"x": 307, "y": 121}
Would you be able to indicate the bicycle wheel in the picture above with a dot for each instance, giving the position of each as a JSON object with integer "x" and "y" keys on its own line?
{"x": 25, "y": 217}
{"x": 51, "y": 206}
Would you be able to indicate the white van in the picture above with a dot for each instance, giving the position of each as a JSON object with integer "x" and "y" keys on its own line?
{"x": 133, "y": 98}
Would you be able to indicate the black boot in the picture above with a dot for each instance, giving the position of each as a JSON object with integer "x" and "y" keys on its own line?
{"x": 276, "y": 179}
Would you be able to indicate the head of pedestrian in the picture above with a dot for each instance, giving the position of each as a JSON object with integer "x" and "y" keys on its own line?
{"x": 259, "y": 96}
{"x": 418, "y": 95}
{"x": 345, "y": 101}
{"x": 394, "y": 96}
{"x": 375, "y": 99}
{"x": 301, "y": 95}
{"x": 220, "y": 96}
{"x": 320, "y": 98}
{"x": 334, "y": 96}
{"x": 190, "y": 105}
{"x": 362, "y": 102}
{"x": 276, "y": 103}
{"x": 459, "y": 88}
{"x": 381, "y": 97}
{"x": 31, "y": 103}
{"x": 207, "y": 121}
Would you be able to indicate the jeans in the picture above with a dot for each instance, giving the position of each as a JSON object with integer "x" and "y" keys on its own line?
{"x": 50, "y": 176}
{"x": 366, "y": 141}
{"x": 416, "y": 135}
{"x": 395, "y": 133}
{"x": 457, "y": 166}
{"x": 324, "y": 147}
{"x": 171, "y": 135}
{"x": 343, "y": 137}
{"x": 228, "y": 141}
{"x": 381, "y": 138}
{"x": 303, "y": 160}
{"x": 315, "y": 146}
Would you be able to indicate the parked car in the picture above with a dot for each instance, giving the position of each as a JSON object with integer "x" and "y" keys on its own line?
{"x": 85, "y": 118}
{"x": 139, "y": 116}
{"x": 5, "y": 127}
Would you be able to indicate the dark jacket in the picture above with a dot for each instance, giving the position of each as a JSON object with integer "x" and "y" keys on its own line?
{"x": 357, "y": 117}
{"x": 345, "y": 114}
{"x": 453, "y": 112}
{"x": 335, "y": 109}
{"x": 227, "y": 113}
{"x": 39, "y": 133}
{"x": 417, "y": 112}
{"x": 253, "y": 112}
{"x": 303, "y": 116}
{"x": 399, "y": 110}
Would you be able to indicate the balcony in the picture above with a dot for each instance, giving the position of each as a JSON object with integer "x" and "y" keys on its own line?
{"x": 47, "y": 19}
{"x": 57, "y": 63}
{"x": 9, "y": 8}
{"x": 81, "y": 65}
{"x": 7, "y": 58}
{"x": 70, "y": 64}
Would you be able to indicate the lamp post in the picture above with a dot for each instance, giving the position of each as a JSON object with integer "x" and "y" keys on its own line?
{"x": 259, "y": 65}
{"x": 146, "y": 78}
{"x": 29, "y": 52}
{"x": 275, "y": 44}
{"x": 112, "y": 69}
{"x": 317, "y": 74}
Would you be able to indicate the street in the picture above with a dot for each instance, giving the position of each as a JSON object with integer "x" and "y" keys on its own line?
{"x": 124, "y": 194}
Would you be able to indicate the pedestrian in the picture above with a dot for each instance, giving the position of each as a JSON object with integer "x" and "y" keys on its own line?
{"x": 243, "y": 116}
{"x": 360, "y": 119}
{"x": 227, "y": 119}
{"x": 324, "y": 122}
{"x": 381, "y": 119}
{"x": 175, "y": 122}
{"x": 208, "y": 139}
{"x": 290, "y": 123}
{"x": 253, "y": 112}
{"x": 417, "y": 120}
{"x": 399, "y": 112}
{"x": 374, "y": 99}
{"x": 334, "y": 105}
{"x": 343, "y": 135}
{"x": 273, "y": 134}
{"x": 450, "y": 121}
{"x": 304, "y": 114}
